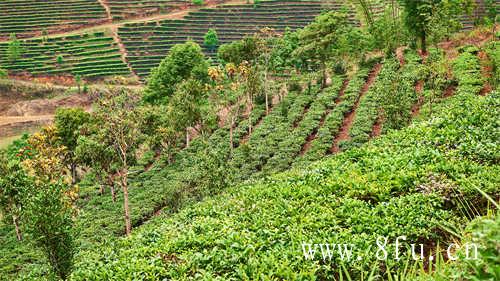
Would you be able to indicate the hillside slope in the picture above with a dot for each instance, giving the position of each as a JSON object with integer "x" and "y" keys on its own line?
{"x": 256, "y": 231}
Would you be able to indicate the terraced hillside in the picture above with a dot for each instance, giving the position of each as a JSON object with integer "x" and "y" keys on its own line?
{"x": 31, "y": 17}
{"x": 90, "y": 55}
{"x": 148, "y": 42}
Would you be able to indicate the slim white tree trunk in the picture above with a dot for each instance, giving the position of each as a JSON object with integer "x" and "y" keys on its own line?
{"x": 126, "y": 207}
{"x": 16, "y": 225}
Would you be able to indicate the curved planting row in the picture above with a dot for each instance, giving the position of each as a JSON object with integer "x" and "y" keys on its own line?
{"x": 291, "y": 146}
{"x": 148, "y": 42}
{"x": 90, "y": 55}
{"x": 32, "y": 17}
{"x": 370, "y": 107}
{"x": 333, "y": 121}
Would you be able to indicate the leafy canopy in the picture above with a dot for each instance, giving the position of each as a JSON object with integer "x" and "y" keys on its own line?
{"x": 184, "y": 61}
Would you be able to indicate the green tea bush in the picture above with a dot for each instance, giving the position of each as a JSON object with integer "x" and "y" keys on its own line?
{"x": 256, "y": 230}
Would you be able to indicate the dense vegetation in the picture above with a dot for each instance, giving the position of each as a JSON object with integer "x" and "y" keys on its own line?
{"x": 232, "y": 169}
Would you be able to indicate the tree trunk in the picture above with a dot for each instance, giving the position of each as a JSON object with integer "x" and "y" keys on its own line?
{"x": 323, "y": 82}
{"x": 423, "y": 42}
{"x": 250, "y": 121}
{"x": 267, "y": 93}
{"x": 126, "y": 207}
{"x": 16, "y": 225}
{"x": 231, "y": 134}
{"x": 187, "y": 137}
{"x": 112, "y": 188}
{"x": 73, "y": 173}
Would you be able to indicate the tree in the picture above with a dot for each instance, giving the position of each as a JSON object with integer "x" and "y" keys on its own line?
{"x": 183, "y": 62}
{"x": 327, "y": 38}
{"x": 14, "y": 184}
{"x": 185, "y": 105}
{"x": 116, "y": 116}
{"x": 267, "y": 43}
{"x": 43, "y": 157}
{"x": 211, "y": 39}
{"x": 422, "y": 17}
{"x": 50, "y": 223}
{"x": 227, "y": 93}
{"x": 14, "y": 48}
{"x": 68, "y": 122}
{"x": 237, "y": 52}
{"x": 100, "y": 157}
{"x": 435, "y": 72}
{"x": 49, "y": 207}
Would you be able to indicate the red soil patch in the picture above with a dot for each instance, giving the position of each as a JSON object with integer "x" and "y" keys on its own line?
{"x": 349, "y": 118}
{"x": 486, "y": 71}
{"x": 450, "y": 91}
{"x": 297, "y": 122}
{"x": 377, "y": 127}
{"x": 400, "y": 55}
{"x": 342, "y": 91}
{"x": 419, "y": 87}
{"x": 64, "y": 80}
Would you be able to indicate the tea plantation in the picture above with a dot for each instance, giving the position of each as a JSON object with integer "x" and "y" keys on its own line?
{"x": 251, "y": 140}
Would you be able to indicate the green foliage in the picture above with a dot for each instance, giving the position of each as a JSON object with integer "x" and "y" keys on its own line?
{"x": 50, "y": 224}
{"x": 329, "y": 38}
{"x": 239, "y": 51}
{"x": 211, "y": 39}
{"x": 60, "y": 60}
{"x": 68, "y": 122}
{"x": 387, "y": 32}
{"x": 350, "y": 198}
{"x": 198, "y": 2}
{"x": 14, "y": 185}
{"x": 14, "y": 48}
{"x": 432, "y": 19}
{"x": 3, "y": 73}
{"x": 184, "y": 61}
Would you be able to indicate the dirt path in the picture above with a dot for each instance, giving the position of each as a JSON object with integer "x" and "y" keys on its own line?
{"x": 349, "y": 118}
{"x": 104, "y": 4}
{"x": 123, "y": 51}
{"x": 15, "y": 125}
{"x": 179, "y": 14}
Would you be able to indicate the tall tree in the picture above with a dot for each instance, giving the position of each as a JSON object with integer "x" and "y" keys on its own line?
{"x": 100, "y": 157}
{"x": 185, "y": 106}
{"x": 14, "y": 184}
{"x": 68, "y": 122}
{"x": 184, "y": 61}
{"x": 49, "y": 204}
{"x": 117, "y": 117}
{"x": 425, "y": 17}
{"x": 227, "y": 93}
{"x": 50, "y": 223}
{"x": 325, "y": 39}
